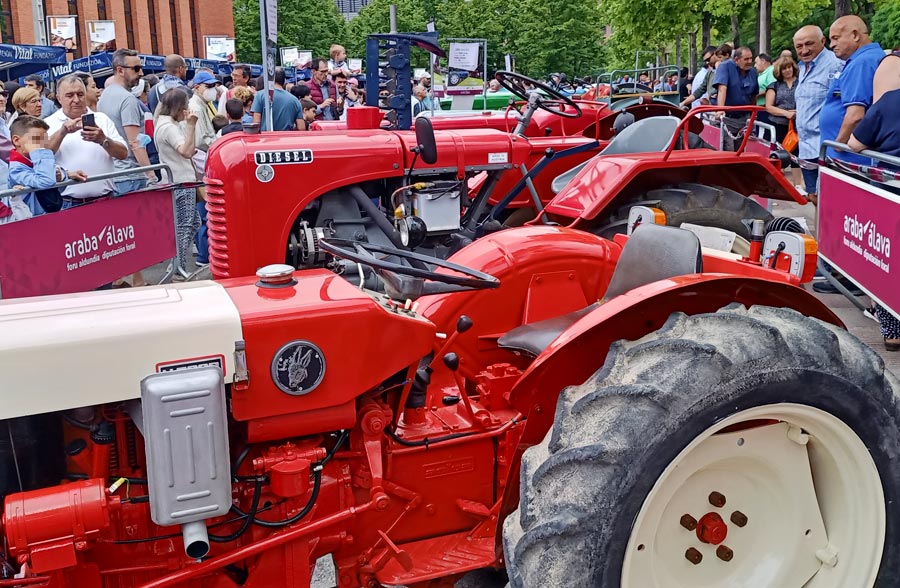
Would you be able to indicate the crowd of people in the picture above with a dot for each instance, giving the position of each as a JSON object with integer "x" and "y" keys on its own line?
{"x": 134, "y": 121}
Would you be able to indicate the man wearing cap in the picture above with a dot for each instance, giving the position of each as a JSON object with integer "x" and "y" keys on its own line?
{"x": 205, "y": 92}
{"x": 425, "y": 82}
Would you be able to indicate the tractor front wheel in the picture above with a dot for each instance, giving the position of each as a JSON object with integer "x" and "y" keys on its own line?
{"x": 740, "y": 449}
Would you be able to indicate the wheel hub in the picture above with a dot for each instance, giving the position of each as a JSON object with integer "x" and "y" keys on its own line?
{"x": 712, "y": 529}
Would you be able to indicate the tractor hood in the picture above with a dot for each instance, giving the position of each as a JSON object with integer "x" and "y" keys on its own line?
{"x": 72, "y": 350}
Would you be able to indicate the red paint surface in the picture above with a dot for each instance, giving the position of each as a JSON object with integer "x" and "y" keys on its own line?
{"x": 859, "y": 227}
{"x": 711, "y": 529}
{"x": 34, "y": 260}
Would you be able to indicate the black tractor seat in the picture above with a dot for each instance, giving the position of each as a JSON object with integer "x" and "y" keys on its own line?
{"x": 647, "y": 135}
{"x": 653, "y": 253}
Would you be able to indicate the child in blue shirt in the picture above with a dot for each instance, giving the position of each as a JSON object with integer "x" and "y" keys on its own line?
{"x": 32, "y": 165}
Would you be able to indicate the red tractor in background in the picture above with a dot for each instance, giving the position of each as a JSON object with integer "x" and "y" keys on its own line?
{"x": 271, "y": 196}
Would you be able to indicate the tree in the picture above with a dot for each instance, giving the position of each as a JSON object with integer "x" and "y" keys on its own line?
{"x": 308, "y": 24}
{"x": 375, "y": 18}
{"x": 886, "y": 25}
{"x": 559, "y": 35}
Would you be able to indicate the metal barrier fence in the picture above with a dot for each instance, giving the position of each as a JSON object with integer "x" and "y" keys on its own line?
{"x": 84, "y": 247}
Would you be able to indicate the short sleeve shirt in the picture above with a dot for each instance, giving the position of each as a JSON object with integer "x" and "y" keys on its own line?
{"x": 285, "y": 110}
{"x": 879, "y": 130}
{"x": 852, "y": 87}
{"x": 124, "y": 110}
{"x": 764, "y": 80}
{"x": 742, "y": 86}
{"x": 784, "y": 99}
{"x": 76, "y": 153}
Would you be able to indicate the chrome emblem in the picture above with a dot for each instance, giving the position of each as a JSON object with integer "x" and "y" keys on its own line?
{"x": 298, "y": 368}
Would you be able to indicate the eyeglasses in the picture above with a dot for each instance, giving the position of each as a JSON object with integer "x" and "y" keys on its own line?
{"x": 34, "y": 101}
{"x": 134, "y": 68}
{"x": 4, "y": 93}
{"x": 321, "y": 71}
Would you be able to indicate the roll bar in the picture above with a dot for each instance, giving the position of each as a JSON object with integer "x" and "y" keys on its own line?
{"x": 682, "y": 126}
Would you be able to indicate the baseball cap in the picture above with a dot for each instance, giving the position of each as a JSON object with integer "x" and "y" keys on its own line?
{"x": 204, "y": 77}
{"x": 426, "y": 75}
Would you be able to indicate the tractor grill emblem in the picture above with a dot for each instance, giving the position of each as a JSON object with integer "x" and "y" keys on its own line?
{"x": 298, "y": 368}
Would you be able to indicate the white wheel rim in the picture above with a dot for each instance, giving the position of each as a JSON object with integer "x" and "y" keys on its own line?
{"x": 810, "y": 492}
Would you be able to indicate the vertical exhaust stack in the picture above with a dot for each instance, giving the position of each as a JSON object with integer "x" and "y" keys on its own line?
{"x": 196, "y": 540}
{"x": 186, "y": 440}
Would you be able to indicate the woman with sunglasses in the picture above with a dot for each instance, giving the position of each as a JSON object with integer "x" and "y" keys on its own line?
{"x": 27, "y": 102}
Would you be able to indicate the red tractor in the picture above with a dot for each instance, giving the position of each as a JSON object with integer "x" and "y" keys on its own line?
{"x": 636, "y": 412}
{"x": 272, "y": 196}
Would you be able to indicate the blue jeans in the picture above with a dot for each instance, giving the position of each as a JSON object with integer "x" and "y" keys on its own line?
{"x": 133, "y": 185}
{"x": 202, "y": 240}
{"x": 811, "y": 177}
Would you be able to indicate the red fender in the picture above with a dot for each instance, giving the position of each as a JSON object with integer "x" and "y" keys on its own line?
{"x": 582, "y": 349}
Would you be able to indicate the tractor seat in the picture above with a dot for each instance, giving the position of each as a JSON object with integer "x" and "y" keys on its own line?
{"x": 645, "y": 136}
{"x": 653, "y": 253}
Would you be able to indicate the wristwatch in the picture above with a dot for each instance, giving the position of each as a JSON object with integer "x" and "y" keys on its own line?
{"x": 105, "y": 142}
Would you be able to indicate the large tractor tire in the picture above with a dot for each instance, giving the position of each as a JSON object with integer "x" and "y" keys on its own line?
{"x": 699, "y": 204}
{"x": 742, "y": 449}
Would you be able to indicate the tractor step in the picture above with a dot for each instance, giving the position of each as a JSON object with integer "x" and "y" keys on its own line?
{"x": 440, "y": 556}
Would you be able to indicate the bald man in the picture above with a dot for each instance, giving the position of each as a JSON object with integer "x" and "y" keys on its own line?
{"x": 818, "y": 66}
{"x": 850, "y": 93}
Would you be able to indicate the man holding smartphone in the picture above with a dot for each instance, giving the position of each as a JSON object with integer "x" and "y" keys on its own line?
{"x": 92, "y": 149}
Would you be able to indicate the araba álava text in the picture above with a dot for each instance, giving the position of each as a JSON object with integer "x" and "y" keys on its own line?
{"x": 109, "y": 236}
{"x": 869, "y": 234}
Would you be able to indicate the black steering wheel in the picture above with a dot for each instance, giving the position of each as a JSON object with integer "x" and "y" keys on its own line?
{"x": 423, "y": 282}
{"x": 515, "y": 83}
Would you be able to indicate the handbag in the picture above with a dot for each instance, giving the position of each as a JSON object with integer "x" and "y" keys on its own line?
{"x": 791, "y": 140}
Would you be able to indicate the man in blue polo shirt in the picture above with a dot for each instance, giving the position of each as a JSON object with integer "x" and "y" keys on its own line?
{"x": 850, "y": 93}
{"x": 737, "y": 83}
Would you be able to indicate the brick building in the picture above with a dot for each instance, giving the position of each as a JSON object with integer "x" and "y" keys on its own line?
{"x": 156, "y": 27}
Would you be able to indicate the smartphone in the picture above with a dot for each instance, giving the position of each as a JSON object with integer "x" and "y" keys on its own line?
{"x": 87, "y": 120}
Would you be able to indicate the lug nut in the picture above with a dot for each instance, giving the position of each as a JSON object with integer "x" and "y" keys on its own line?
{"x": 693, "y": 556}
{"x": 717, "y": 499}
{"x": 688, "y": 522}
{"x": 724, "y": 553}
{"x": 739, "y": 518}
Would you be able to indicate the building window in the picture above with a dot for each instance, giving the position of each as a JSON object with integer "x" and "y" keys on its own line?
{"x": 195, "y": 26}
{"x": 151, "y": 11}
{"x": 173, "y": 12}
{"x": 6, "y": 22}
{"x": 129, "y": 24}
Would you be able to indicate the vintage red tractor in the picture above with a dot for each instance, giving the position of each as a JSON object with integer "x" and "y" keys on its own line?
{"x": 271, "y": 196}
{"x": 637, "y": 412}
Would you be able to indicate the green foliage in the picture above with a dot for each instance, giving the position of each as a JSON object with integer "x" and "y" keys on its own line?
{"x": 559, "y": 35}
{"x": 886, "y": 25}
{"x": 307, "y": 24}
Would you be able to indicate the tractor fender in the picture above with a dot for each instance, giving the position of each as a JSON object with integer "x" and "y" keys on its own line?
{"x": 582, "y": 349}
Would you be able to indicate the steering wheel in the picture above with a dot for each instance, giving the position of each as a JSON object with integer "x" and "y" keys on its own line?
{"x": 515, "y": 83}
{"x": 397, "y": 276}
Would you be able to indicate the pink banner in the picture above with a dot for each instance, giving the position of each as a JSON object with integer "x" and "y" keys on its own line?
{"x": 82, "y": 248}
{"x": 857, "y": 224}
{"x": 712, "y": 135}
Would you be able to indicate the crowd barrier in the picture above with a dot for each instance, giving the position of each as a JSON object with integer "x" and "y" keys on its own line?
{"x": 86, "y": 247}
{"x": 858, "y": 221}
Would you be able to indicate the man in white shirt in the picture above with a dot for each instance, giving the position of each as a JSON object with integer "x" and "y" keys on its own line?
{"x": 92, "y": 149}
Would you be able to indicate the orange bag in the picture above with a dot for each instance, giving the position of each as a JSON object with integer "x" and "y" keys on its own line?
{"x": 791, "y": 140}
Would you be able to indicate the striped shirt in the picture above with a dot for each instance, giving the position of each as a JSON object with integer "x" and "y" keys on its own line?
{"x": 810, "y": 93}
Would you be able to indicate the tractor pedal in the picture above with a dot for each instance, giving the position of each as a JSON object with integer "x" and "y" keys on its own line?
{"x": 439, "y": 556}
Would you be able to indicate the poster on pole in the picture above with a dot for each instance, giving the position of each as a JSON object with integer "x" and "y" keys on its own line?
{"x": 464, "y": 75}
{"x": 355, "y": 65}
{"x": 102, "y": 35}
{"x": 289, "y": 55}
{"x": 215, "y": 47}
{"x": 230, "y": 50}
{"x": 63, "y": 32}
{"x": 272, "y": 21}
{"x": 303, "y": 59}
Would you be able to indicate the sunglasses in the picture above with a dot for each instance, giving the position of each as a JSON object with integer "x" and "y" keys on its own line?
{"x": 134, "y": 68}
{"x": 4, "y": 93}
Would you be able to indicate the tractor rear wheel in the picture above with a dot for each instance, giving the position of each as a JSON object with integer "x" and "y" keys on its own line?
{"x": 699, "y": 204}
{"x": 740, "y": 449}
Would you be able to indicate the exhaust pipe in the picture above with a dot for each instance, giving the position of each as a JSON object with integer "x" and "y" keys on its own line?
{"x": 196, "y": 540}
